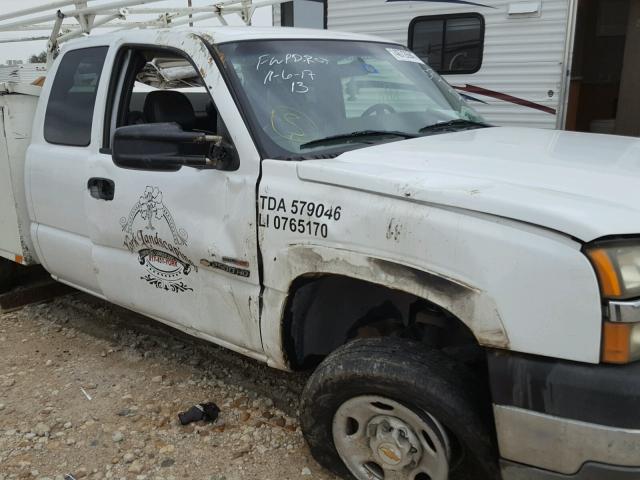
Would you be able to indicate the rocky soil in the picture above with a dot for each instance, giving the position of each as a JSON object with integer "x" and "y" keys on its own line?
{"x": 88, "y": 390}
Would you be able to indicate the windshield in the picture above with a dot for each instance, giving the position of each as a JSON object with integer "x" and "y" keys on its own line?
{"x": 309, "y": 98}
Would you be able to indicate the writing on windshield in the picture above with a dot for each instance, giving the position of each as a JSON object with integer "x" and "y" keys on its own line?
{"x": 287, "y": 67}
{"x": 308, "y": 97}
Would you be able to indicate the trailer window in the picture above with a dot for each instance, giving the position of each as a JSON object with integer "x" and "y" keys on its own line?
{"x": 450, "y": 44}
{"x": 73, "y": 96}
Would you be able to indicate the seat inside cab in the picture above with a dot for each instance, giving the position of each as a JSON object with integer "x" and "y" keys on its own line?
{"x": 166, "y": 89}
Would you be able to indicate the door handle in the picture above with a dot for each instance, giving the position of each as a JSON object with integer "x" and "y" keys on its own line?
{"x": 101, "y": 188}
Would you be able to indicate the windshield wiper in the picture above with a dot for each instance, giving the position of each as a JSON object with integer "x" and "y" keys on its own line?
{"x": 355, "y": 135}
{"x": 453, "y": 125}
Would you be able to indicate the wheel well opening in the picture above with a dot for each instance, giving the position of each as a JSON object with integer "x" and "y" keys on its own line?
{"x": 325, "y": 312}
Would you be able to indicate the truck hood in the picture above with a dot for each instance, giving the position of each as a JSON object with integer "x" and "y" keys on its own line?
{"x": 584, "y": 185}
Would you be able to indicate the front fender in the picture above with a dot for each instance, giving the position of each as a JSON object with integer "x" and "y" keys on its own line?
{"x": 515, "y": 285}
{"x": 471, "y": 305}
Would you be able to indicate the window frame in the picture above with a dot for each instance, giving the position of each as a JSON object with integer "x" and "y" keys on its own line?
{"x": 95, "y": 99}
{"x": 446, "y": 18}
{"x": 118, "y": 98}
{"x": 117, "y": 79}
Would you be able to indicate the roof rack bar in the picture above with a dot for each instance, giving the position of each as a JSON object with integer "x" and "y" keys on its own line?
{"x": 24, "y": 39}
{"x": 197, "y": 18}
{"x": 184, "y": 11}
{"x": 39, "y": 9}
{"x": 52, "y": 44}
{"x": 79, "y": 31}
{"x": 114, "y": 14}
{"x": 72, "y": 26}
{"x": 77, "y": 12}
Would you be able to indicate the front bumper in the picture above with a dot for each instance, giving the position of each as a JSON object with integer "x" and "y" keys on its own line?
{"x": 558, "y": 419}
{"x": 589, "y": 471}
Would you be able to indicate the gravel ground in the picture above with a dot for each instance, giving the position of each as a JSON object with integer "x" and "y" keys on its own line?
{"x": 93, "y": 391}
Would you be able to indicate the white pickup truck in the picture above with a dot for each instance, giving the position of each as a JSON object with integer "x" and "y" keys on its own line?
{"x": 467, "y": 296}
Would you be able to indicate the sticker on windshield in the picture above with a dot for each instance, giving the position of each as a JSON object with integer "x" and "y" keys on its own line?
{"x": 404, "y": 55}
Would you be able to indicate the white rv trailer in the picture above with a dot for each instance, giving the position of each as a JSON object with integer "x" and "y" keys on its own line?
{"x": 570, "y": 64}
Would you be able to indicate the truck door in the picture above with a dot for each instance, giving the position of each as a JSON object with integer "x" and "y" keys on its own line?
{"x": 179, "y": 246}
{"x": 57, "y": 167}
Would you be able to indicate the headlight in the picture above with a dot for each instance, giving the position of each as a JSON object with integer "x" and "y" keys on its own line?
{"x": 617, "y": 265}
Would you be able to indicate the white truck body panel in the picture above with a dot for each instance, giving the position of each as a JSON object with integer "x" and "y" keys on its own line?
{"x": 474, "y": 209}
{"x": 484, "y": 254}
{"x": 63, "y": 222}
{"x": 90, "y": 248}
{"x": 16, "y": 117}
{"x": 516, "y": 173}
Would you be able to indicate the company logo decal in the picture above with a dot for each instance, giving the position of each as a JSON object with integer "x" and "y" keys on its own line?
{"x": 152, "y": 234}
{"x": 240, "y": 272}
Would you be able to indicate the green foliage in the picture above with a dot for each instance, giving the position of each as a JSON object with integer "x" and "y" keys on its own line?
{"x": 39, "y": 58}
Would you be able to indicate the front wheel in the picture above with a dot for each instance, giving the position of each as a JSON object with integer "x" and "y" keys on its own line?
{"x": 389, "y": 409}
{"x": 7, "y": 274}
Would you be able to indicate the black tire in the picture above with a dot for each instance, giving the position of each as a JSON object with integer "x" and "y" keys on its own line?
{"x": 421, "y": 379}
{"x": 7, "y": 274}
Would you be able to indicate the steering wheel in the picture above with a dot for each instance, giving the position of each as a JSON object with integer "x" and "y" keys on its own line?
{"x": 378, "y": 109}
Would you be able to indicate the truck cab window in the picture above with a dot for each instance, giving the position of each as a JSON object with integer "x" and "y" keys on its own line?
{"x": 450, "y": 44}
{"x": 156, "y": 91}
{"x": 161, "y": 87}
{"x": 73, "y": 96}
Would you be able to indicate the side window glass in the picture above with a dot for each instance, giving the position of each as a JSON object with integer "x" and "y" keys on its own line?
{"x": 449, "y": 44}
{"x": 163, "y": 87}
{"x": 73, "y": 96}
{"x": 155, "y": 86}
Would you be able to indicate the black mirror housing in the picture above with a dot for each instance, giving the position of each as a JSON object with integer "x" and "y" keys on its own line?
{"x": 162, "y": 147}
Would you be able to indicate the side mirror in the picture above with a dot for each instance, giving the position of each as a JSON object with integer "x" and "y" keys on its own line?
{"x": 166, "y": 147}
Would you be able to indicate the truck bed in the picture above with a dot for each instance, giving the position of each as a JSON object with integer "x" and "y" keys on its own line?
{"x": 17, "y": 108}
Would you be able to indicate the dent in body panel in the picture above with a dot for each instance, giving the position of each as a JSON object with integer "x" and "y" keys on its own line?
{"x": 472, "y": 306}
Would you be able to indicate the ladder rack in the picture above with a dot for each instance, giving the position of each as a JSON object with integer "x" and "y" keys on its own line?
{"x": 67, "y": 19}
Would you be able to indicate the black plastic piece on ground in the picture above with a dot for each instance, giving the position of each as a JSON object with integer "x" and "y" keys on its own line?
{"x": 203, "y": 411}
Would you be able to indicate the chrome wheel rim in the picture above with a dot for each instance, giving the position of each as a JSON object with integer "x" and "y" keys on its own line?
{"x": 381, "y": 439}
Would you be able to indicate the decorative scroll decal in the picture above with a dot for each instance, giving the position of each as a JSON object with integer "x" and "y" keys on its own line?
{"x": 150, "y": 206}
{"x": 165, "y": 264}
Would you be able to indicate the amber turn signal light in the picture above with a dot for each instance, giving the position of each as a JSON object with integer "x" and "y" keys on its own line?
{"x": 620, "y": 342}
{"x": 607, "y": 274}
